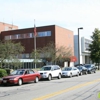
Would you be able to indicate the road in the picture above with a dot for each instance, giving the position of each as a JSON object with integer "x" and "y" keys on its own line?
{"x": 85, "y": 87}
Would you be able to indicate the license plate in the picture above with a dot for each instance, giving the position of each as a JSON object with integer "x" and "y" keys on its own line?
{"x": 4, "y": 81}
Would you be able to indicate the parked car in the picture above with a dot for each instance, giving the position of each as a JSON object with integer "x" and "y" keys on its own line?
{"x": 50, "y": 71}
{"x": 21, "y": 76}
{"x": 70, "y": 71}
{"x": 83, "y": 70}
{"x": 91, "y": 68}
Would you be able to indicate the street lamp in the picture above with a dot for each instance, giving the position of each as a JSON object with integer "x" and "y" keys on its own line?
{"x": 79, "y": 45}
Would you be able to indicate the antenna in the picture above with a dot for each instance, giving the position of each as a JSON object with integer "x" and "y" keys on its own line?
{"x": 3, "y": 21}
{"x": 12, "y": 25}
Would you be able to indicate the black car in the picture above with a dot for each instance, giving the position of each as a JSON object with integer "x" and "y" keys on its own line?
{"x": 83, "y": 70}
{"x": 91, "y": 68}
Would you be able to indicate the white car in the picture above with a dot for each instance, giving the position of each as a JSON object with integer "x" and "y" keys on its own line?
{"x": 50, "y": 71}
{"x": 70, "y": 71}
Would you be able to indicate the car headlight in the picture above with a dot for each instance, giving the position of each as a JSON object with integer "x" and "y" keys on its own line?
{"x": 12, "y": 79}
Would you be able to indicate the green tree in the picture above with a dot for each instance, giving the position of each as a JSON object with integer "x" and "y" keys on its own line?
{"x": 9, "y": 52}
{"x": 94, "y": 47}
{"x": 36, "y": 55}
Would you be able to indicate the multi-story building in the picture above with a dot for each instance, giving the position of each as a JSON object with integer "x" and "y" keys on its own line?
{"x": 6, "y": 27}
{"x": 60, "y": 36}
{"x": 83, "y": 54}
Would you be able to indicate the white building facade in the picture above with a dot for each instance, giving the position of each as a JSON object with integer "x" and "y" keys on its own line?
{"x": 81, "y": 51}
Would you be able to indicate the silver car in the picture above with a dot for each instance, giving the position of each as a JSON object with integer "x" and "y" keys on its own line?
{"x": 70, "y": 71}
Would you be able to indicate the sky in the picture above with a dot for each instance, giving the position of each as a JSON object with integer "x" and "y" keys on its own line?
{"x": 69, "y": 14}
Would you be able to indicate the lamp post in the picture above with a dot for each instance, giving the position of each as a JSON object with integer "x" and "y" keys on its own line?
{"x": 79, "y": 45}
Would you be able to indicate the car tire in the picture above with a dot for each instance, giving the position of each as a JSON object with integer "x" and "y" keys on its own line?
{"x": 81, "y": 73}
{"x": 94, "y": 71}
{"x": 85, "y": 73}
{"x": 49, "y": 77}
{"x": 90, "y": 72}
{"x": 20, "y": 82}
{"x": 59, "y": 76}
{"x": 36, "y": 80}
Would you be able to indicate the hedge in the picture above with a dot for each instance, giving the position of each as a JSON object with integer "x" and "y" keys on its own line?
{"x": 3, "y": 72}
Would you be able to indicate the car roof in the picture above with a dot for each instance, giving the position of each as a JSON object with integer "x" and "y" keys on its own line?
{"x": 50, "y": 65}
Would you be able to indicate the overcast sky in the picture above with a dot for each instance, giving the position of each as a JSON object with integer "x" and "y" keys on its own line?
{"x": 70, "y": 14}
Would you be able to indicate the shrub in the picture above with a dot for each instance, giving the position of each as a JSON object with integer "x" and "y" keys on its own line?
{"x": 8, "y": 70}
{"x": 3, "y": 73}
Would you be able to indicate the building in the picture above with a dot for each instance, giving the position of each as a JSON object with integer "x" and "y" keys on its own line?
{"x": 60, "y": 36}
{"x": 6, "y": 27}
{"x": 84, "y": 54}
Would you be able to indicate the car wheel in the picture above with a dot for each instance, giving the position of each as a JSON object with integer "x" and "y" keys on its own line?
{"x": 59, "y": 76}
{"x": 94, "y": 71}
{"x": 85, "y": 73}
{"x": 80, "y": 73}
{"x": 49, "y": 77}
{"x": 90, "y": 72}
{"x": 20, "y": 82}
{"x": 36, "y": 80}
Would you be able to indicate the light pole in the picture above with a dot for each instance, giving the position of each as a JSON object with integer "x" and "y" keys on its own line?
{"x": 79, "y": 45}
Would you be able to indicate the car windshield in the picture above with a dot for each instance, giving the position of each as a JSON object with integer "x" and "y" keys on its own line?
{"x": 87, "y": 66}
{"x": 67, "y": 69}
{"x": 79, "y": 67}
{"x": 45, "y": 68}
{"x": 18, "y": 72}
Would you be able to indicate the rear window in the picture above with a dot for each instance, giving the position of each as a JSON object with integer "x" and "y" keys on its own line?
{"x": 87, "y": 66}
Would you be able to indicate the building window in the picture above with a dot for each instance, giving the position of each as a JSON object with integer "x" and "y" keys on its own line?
{"x": 13, "y": 37}
{"x": 6, "y": 28}
{"x": 20, "y": 36}
{"x": 28, "y": 35}
{"x": 31, "y": 35}
{"x": 8, "y": 37}
{"x": 45, "y": 33}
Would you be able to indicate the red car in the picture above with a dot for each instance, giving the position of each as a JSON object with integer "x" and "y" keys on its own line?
{"x": 21, "y": 76}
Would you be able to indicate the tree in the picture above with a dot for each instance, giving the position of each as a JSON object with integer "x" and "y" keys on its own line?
{"x": 36, "y": 54}
{"x": 54, "y": 54}
{"x": 9, "y": 52}
{"x": 94, "y": 47}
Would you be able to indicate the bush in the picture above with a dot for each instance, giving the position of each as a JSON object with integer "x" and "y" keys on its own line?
{"x": 7, "y": 70}
{"x": 3, "y": 73}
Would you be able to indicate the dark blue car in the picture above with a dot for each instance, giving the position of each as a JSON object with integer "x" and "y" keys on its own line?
{"x": 91, "y": 68}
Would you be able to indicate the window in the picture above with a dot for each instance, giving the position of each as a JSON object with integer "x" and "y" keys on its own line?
{"x": 13, "y": 37}
{"x": 45, "y": 33}
{"x": 31, "y": 35}
{"x": 6, "y": 28}
{"x": 8, "y": 37}
{"x": 28, "y": 35}
{"x": 20, "y": 36}
{"x": 31, "y": 71}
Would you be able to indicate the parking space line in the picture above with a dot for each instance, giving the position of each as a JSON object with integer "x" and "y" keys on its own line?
{"x": 66, "y": 90}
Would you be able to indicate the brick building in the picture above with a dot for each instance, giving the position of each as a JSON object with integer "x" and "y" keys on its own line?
{"x": 60, "y": 36}
{"x": 6, "y": 27}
